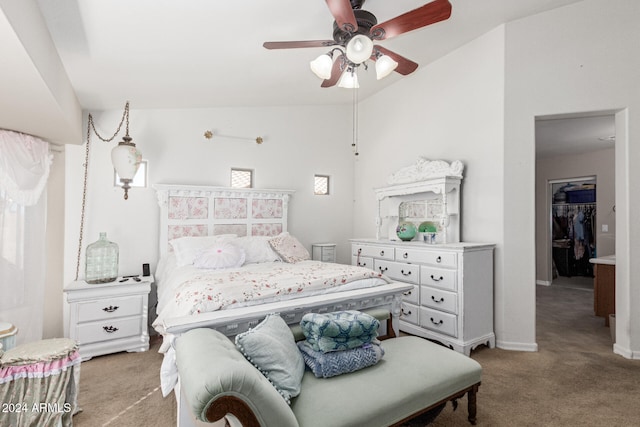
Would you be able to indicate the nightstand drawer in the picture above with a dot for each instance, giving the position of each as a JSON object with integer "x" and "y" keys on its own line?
{"x": 439, "y": 321}
{"x": 109, "y": 308}
{"x": 108, "y": 330}
{"x": 438, "y": 299}
{"x": 441, "y": 259}
{"x": 445, "y": 279}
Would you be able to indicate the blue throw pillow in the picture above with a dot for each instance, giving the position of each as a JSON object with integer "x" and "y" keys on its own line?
{"x": 271, "y": 348}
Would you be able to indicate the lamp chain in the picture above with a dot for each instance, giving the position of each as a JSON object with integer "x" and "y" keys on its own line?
{"x": 354, "y": 144}
{"x": 90, "y": 126}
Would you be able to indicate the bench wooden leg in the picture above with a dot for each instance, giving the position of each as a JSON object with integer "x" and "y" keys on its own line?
{"x": 471, "y": 404}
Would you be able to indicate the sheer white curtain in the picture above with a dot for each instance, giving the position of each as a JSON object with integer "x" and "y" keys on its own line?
{"x": 24, "y": 168}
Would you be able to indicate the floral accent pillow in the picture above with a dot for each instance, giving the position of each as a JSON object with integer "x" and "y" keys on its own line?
{"x": 289, "y": 248}
{"x": 220, "y": 256}
{"x": 187, "y": 248}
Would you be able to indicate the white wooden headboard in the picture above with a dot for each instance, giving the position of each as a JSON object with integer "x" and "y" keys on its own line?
{"x": 193, "y": 210}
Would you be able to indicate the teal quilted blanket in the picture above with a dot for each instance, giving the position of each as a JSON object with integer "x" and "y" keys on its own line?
{"x": 326, "y": 365}
{"x": 340, "y": 330}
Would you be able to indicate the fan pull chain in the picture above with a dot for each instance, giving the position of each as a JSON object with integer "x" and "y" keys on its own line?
{"x": 354, "y": 144}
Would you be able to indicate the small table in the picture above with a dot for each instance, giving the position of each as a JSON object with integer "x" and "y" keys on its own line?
{"x": 325, "y": 252}
{"x": 109, "y": 317}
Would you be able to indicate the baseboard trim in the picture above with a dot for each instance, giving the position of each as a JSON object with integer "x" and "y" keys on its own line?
{"x": 543, "y": 282}
{"x": 625, "y": 352}
{"x": 517, "y": 346}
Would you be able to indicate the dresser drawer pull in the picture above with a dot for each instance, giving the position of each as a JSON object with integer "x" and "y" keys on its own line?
{"x": 437, "y": 301}
{"x": 408, "y": 313}
{"x": 407, "y": 293}
{"x": 405, "y": 274}
{"x": 382, "y": 270}
{"x": 439, "y": 259}
{"x": 436, "y": 279}
{"x": 362, "y": 264}
{"x": 110, "y": 309}
{"x": 381, "y": 253}
{"x": 109, "y": 329}
{"x": 438, "y": 323}
{"x": 405, "y": 255}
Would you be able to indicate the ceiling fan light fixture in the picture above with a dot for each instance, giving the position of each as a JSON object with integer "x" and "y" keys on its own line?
{"x": 321, "y": 66}
{"x": 359, "y": 49}
{"x": 385, "y": 66}
{"x": 349, "y": 80}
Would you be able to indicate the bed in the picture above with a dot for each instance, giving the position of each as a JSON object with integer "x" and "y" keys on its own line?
{"x": 202, "y": 281}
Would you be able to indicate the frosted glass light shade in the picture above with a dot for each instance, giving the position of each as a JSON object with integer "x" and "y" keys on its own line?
{"x": 321, "y": 66}
{"x": 126, "y": 159}
{"x": 349, "y": 80}
{"x": 359, "y": 49}
{"x": 385, "y": 66}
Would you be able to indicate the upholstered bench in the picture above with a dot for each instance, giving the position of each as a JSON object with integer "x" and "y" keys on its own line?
{"x": 414, "y": 377}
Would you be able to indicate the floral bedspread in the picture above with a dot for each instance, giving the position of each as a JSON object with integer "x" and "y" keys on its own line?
{"x": 201, "y": 291}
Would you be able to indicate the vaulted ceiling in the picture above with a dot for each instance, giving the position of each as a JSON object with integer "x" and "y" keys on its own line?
{"x": 72, "y": 55}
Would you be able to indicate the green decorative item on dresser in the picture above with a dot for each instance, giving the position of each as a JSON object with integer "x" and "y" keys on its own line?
{"x": 102, "y": 261}
{"x": 427, "y": 227}
{"x": 406, "y": 230}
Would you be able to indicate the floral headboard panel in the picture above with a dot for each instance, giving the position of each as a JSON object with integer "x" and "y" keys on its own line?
{"x": 189, "y": 210}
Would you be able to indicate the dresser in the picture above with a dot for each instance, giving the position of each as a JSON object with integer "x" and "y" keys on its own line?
{"x": 110, "y": 317}
{"x": 452, "y": 297}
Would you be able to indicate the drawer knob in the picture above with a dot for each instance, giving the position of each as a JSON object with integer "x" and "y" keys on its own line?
{"x": 407, "y": 293}
{"x": 439, "y": 259}
{"x": 110, "y": 309}
{"x": 405, "y": 274}
{"x": 381, "y": 253}
{"x": 438, "y": 323}
{"x": 437, "y": 300}
{"x": 362, "y": 264}
{"x": 436, "y": 279}
{"x": 382, "y": 270}
{"x": 109, "y": 329}
{"x": 408, "y": 312}
{"x": 405, "y": 255}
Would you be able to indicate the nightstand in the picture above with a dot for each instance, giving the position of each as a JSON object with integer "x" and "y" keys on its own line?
{"x": 109, "y": 317}
{"x": 325, "y": 252}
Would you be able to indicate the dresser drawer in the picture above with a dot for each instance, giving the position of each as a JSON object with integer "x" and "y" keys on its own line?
{"x": 443, "y": 259}
{"x": 404, "y": 272}
{"x": 362, "y": 261}
{"x": 439, "y": 321}
{"x": 409, "y": 313}
{"x": 109, "y": 308}
{"x": 383, "y": 252}
{"x": 441, "y": 278}
{"x": 110, "y": 329}
{"x": 412, "y": 296}
{"x": 439, "y": 299}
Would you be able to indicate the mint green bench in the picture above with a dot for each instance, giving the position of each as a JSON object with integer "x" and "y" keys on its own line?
{"x": 415, "y": 376}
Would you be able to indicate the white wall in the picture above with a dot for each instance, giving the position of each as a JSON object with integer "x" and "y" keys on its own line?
{"x": 600, "y": 164}
{"x": 298, "y": 143}
{"x": 579, "y": 58}
{"x": 451, "y": 109}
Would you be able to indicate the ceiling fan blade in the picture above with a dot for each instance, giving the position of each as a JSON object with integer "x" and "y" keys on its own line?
{"x": 339, "y": 65}
{"x": 405, "y": 66}
{"x": 343, "y": 14}
{"x": 430, "y": 13}
{"x": 299, "y": 44}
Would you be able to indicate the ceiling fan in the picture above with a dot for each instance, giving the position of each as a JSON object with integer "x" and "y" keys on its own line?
{"x": 354, "y": 32}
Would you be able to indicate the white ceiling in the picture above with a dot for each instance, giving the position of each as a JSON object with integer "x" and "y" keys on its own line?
{"x": 208, "y": 53}
{"x": 574, "y": 134}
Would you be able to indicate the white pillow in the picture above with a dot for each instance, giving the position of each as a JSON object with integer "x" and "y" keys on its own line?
{"x": 219, "y": 256}
{"x": 187, "y": 248}
{"x": 256, "y": 248}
